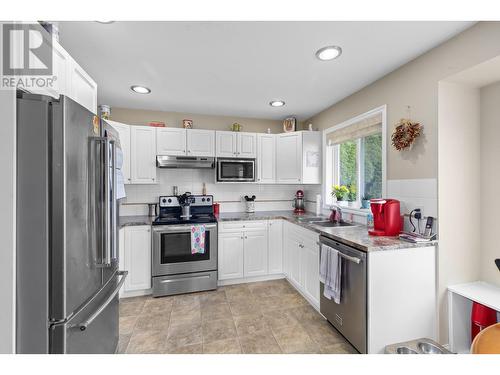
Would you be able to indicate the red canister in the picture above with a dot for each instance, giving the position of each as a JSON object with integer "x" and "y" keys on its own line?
{"x": 481, "y": 317}
{"x": 216, "y": 208}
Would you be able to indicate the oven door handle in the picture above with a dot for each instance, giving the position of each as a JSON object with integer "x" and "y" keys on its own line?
{"x": 178, "y": 228}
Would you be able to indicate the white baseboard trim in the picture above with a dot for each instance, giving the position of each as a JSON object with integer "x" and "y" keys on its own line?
{"x": 136, "y": 293}
{"x": 249, "y": 279}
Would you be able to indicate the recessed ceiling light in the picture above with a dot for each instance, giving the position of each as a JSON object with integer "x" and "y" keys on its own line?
{"x": 140, "y": 89}
{"x": 328, "y": 53}
{"x": 105, "y": 22}
{"x": 277, "y": 103}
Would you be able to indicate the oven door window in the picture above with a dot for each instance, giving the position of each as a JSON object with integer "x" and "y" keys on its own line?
{"x": 176, "y": 248}
{"x": 236, "y": 170}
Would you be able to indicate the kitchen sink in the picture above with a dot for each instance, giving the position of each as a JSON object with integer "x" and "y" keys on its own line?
{"x": 405, "y": 350}
{"x": 428, "y": 348}
{"x": 329, "y": 224}
{"x": 311, "y": 219}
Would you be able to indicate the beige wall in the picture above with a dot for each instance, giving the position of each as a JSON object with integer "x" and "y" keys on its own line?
{"x": 459, "y": 173}
{"x": 174, "y": 120}
{"x": 416, "y": 84}
{"x": 490, "y": 182}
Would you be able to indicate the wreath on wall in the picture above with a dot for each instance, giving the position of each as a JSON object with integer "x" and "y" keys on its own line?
{"x": 405, "y": 134}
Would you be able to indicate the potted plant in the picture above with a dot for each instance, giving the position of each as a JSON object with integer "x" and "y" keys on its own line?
{"x": 351, "y": 195}
{"x": 365, "y": 201}
{"x": 340, "y": 193}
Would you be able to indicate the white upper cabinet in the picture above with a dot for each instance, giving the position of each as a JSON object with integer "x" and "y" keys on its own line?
{"x": 236, "y": 144}
{"x": 83, "y": 88}
{"x": 170, "y": 141}
{"x": 70, "y": 78}
{"x": 298, "y": 158}
{"x": 124, "y": 133}
{"x": 200, "y": 142}
{"x": 60, "y": 68}
{"x": 246, "y": 145}
{"x": 289, "y": 158}
{"x": 225, "y": 144}
{"x": 143, "y": 155}
{"x": 266, "y": 158}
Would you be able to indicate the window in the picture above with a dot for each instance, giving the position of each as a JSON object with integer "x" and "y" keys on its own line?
{"x": 354, "y": 157}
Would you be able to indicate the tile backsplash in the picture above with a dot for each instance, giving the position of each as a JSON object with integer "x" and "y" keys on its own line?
{"x": 269, "y": 197}
{"x": 413, "y": 193}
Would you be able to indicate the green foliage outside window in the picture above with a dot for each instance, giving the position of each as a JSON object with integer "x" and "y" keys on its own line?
{"x": 372, "y": 161}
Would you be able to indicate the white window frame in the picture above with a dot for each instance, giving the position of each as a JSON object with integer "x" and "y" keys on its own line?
{"x": 331, "y": 155}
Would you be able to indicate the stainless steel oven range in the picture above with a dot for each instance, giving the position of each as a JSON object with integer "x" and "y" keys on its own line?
{"x": 177, "y": 266}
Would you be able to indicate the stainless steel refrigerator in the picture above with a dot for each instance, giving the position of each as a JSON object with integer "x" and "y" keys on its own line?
{"x": 67, "y": 240}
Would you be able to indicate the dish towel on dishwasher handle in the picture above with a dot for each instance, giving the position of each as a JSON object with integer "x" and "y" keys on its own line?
{"x": 330, "y": 273}
{"x": 198, "y": 239}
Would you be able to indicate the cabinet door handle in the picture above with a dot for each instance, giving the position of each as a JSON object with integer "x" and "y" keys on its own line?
{"x": 241, "y": 237}
{"x": 246, "y": 237}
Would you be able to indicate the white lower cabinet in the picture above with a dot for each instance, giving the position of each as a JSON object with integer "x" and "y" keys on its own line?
{"x": 309, "y": 260}
{"x": 259, "y": 250}
{"x": 301, "y": 260}
{"x": 243, "y": 249}
{"x": 135, "y": 257}
{"x": 230, "y": 255}
{"x": 275, "y": 246}
{"x": 255, "y": 253}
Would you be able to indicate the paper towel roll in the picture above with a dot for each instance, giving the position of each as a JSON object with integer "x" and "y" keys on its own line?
{"x": 318, "y": 204}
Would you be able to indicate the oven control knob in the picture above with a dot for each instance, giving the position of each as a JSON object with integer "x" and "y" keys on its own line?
{"x": 164, "y": 200}
{"x": 203, "y": 199}
{"x": 208, "y": 199}
{"x": 169, "y": 200}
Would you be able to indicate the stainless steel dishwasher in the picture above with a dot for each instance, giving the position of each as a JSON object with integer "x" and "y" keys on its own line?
{"x": 350, "y": 316}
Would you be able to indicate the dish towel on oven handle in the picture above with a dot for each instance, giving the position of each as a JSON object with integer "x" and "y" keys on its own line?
{"x": 330, "y": 273}
{"x": 198, "y": 239}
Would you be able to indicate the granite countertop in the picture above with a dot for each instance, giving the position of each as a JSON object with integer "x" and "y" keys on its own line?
{"x": 125, "y": 221}
{"x": 356, "y": 236}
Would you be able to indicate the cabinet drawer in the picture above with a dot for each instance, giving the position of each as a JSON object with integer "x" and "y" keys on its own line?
{"x": 231, "y": 226}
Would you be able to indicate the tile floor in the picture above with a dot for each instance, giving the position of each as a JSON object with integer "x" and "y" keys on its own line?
{"x": 262, "y": 317}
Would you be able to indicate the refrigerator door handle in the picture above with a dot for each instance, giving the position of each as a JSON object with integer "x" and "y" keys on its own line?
{"x": 113, "y": 203}
{"x": 106, "y": 207}
{"x": 83, "y": 326}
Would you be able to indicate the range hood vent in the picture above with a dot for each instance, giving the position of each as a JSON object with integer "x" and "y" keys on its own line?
{"x": 190, "y": 162}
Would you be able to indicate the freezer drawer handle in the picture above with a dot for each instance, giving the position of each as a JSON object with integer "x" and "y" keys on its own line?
{"x": 83, "y": 326}
{"x": 184, "y": 279}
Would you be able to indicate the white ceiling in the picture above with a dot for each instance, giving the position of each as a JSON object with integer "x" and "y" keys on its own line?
{"x": 236, "y": 68}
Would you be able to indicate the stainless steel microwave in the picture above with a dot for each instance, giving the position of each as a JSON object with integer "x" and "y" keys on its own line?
{"x": 236, "y": 170}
